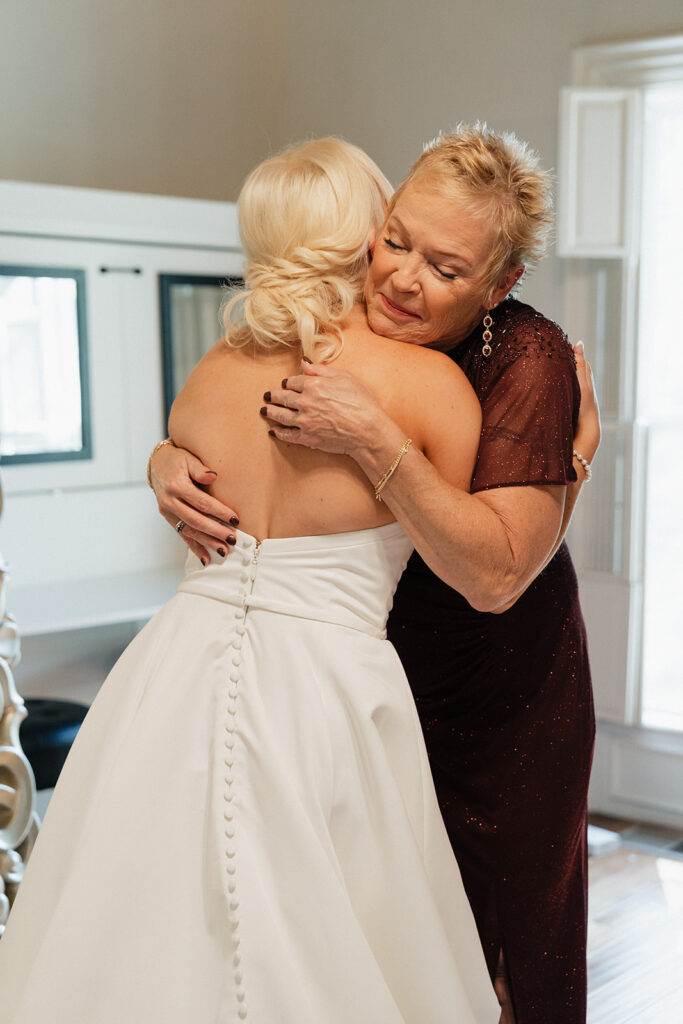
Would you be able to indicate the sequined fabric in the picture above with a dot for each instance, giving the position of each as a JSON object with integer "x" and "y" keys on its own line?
{"x": 505, "y": 700}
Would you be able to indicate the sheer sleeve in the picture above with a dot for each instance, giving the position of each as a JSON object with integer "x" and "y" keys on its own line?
{"x": 530, "y": 408}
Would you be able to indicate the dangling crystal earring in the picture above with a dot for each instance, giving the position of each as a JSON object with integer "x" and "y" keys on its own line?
{"x": 487, "y": 336}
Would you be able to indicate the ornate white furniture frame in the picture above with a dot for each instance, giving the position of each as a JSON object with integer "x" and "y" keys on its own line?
{"x": 19, "y": 822}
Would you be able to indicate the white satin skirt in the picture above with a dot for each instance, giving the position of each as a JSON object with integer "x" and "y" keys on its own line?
{"x": 246, "y": 828}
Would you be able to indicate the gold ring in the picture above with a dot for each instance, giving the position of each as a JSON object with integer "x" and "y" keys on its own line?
{"x": 180, "y": 526}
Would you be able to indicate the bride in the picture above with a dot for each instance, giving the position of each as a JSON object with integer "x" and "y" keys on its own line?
{"x": 246, "y": 828}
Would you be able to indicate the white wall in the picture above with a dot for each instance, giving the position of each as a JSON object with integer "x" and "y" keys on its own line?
{"x": 182, "y": 99}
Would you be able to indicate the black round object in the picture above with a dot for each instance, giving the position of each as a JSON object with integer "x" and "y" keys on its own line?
{"x": 46, "y": 735}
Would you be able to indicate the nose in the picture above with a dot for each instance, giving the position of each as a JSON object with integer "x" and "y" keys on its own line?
{"x": 405, "y": 277}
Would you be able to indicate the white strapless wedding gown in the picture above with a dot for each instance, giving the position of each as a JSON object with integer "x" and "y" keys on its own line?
{"x": 246, "y": 827}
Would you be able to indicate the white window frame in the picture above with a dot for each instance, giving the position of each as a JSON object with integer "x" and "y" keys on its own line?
{"x": 638, "y": 771}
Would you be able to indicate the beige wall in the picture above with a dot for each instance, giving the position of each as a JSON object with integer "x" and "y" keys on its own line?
{"x": 182, "y": 98}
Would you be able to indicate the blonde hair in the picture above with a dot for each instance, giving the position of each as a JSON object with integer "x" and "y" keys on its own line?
{"x": 306, "y": 217}
{"x": 499, "y": 175}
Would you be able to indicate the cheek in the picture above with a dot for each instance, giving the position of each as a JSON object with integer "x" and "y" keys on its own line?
{"x": 378, "y": 270}
{"x": 443, "y": 308}
{"x": 461, "y": 316}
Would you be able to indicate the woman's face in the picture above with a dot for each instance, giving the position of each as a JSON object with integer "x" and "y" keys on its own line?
{"x": 426, "y": 283}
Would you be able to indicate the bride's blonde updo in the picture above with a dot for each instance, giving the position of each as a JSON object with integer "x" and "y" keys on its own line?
{"x": 306, "y": 217}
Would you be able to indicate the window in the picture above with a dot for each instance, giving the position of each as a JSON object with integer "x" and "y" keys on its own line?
{"x": 659, "y": 404}
{"x": 190, "y": 324}
{"x": 619, "y": 229}
{"x": 44, "y": 412}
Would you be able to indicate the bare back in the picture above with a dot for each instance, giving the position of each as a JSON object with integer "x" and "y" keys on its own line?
{"x": 286, "y": 490}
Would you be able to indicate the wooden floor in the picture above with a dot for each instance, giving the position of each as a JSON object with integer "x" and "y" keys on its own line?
{"x": 635, "y": 939}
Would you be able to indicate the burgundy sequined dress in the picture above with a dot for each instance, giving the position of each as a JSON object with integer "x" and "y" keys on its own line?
{"x": 505, "y": 700}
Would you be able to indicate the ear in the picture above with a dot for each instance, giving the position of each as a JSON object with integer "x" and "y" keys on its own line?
{"x": 505, "y": 282}
{"x": 372, "y": 242}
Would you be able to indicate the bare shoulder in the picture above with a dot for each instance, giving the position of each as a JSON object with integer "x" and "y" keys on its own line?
{"x": 416, "y": 368}
{"x": 195, "y": 388}
{"x": 436, "y": 369}
{"x": 432, "y": 380}
{"x": 431, "y": 398}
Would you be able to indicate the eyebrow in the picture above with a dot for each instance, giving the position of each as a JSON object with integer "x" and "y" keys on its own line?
{"x": 451, "y": 256}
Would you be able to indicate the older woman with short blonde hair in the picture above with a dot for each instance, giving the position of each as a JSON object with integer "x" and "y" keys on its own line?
{"x": 486, "y": 617}
{"x": 497, "y": 175}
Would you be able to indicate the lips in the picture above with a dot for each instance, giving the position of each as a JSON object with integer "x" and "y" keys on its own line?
{"x": 397, "y": 310}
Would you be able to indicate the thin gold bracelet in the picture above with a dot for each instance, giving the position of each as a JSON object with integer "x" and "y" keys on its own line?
{"x": 584, "y": 462}
{"x": 381, "y": 484}
{"x": 155, "y": 449}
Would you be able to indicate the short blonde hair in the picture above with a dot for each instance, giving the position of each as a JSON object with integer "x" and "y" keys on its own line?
{"x": 499, "y": 175}
{"x": 306, "y": 217}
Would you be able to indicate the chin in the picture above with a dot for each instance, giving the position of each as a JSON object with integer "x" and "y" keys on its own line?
{"x": 380, "y": 324}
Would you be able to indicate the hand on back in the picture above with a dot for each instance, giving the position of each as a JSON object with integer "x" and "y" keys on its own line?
{"x": 587, "y": 438}
{"x": 178, "y": 480}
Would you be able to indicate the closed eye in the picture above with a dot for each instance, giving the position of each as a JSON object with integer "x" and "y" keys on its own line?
{"x": 442, "y": 273}
{"x": 393, "y": 245}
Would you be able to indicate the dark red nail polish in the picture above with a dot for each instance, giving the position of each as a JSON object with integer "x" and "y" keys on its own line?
{"x": 203, "y": 561}
{"x": 266, "y": 396}
{"x": 234, "y": 521}
{"x": 232, "y": 540}
{"x": 263, "y": 410}
{"x": 222, "y": 552}
{"x": 284, "y": 382}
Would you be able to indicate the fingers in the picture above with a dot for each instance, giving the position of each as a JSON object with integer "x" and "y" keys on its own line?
{"x": 294, "y": 383}
{"x": 281, "y": 417}
{"x": 319, "y": 370}
{"x": 579, "y": 356}
{"x": 195, "y": 547}
{"x": 287, "y": 396}
{"x": 198, "y": 471}
{"x": 183, "y": 477}
{"x": 210, "y": 513}
{"x": 209, "y": 531}
{"x": 298, "y": 383}
{"x": 581, "y": 361}
{"x": 583, "y": 369}
{"x": 291, "y": 435}
{"x": 201, "y": 475}
{"x": 198, "y": 551}
{"x": 287, "y": 399}
{"x": 200, "y": 543}
{"x": 589, "y": 430}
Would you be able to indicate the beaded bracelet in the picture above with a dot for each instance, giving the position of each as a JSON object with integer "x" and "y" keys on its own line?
{"x": 155, "y": 449}
{"x": 584, "y": 462}
{"x": 381, "y": 484}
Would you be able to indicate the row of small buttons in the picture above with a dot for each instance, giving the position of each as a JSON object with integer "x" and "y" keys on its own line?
{"x": 247, "y": 579}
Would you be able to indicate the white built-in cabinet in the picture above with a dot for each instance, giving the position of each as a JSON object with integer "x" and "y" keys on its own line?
{"x": 85, "y": 543}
